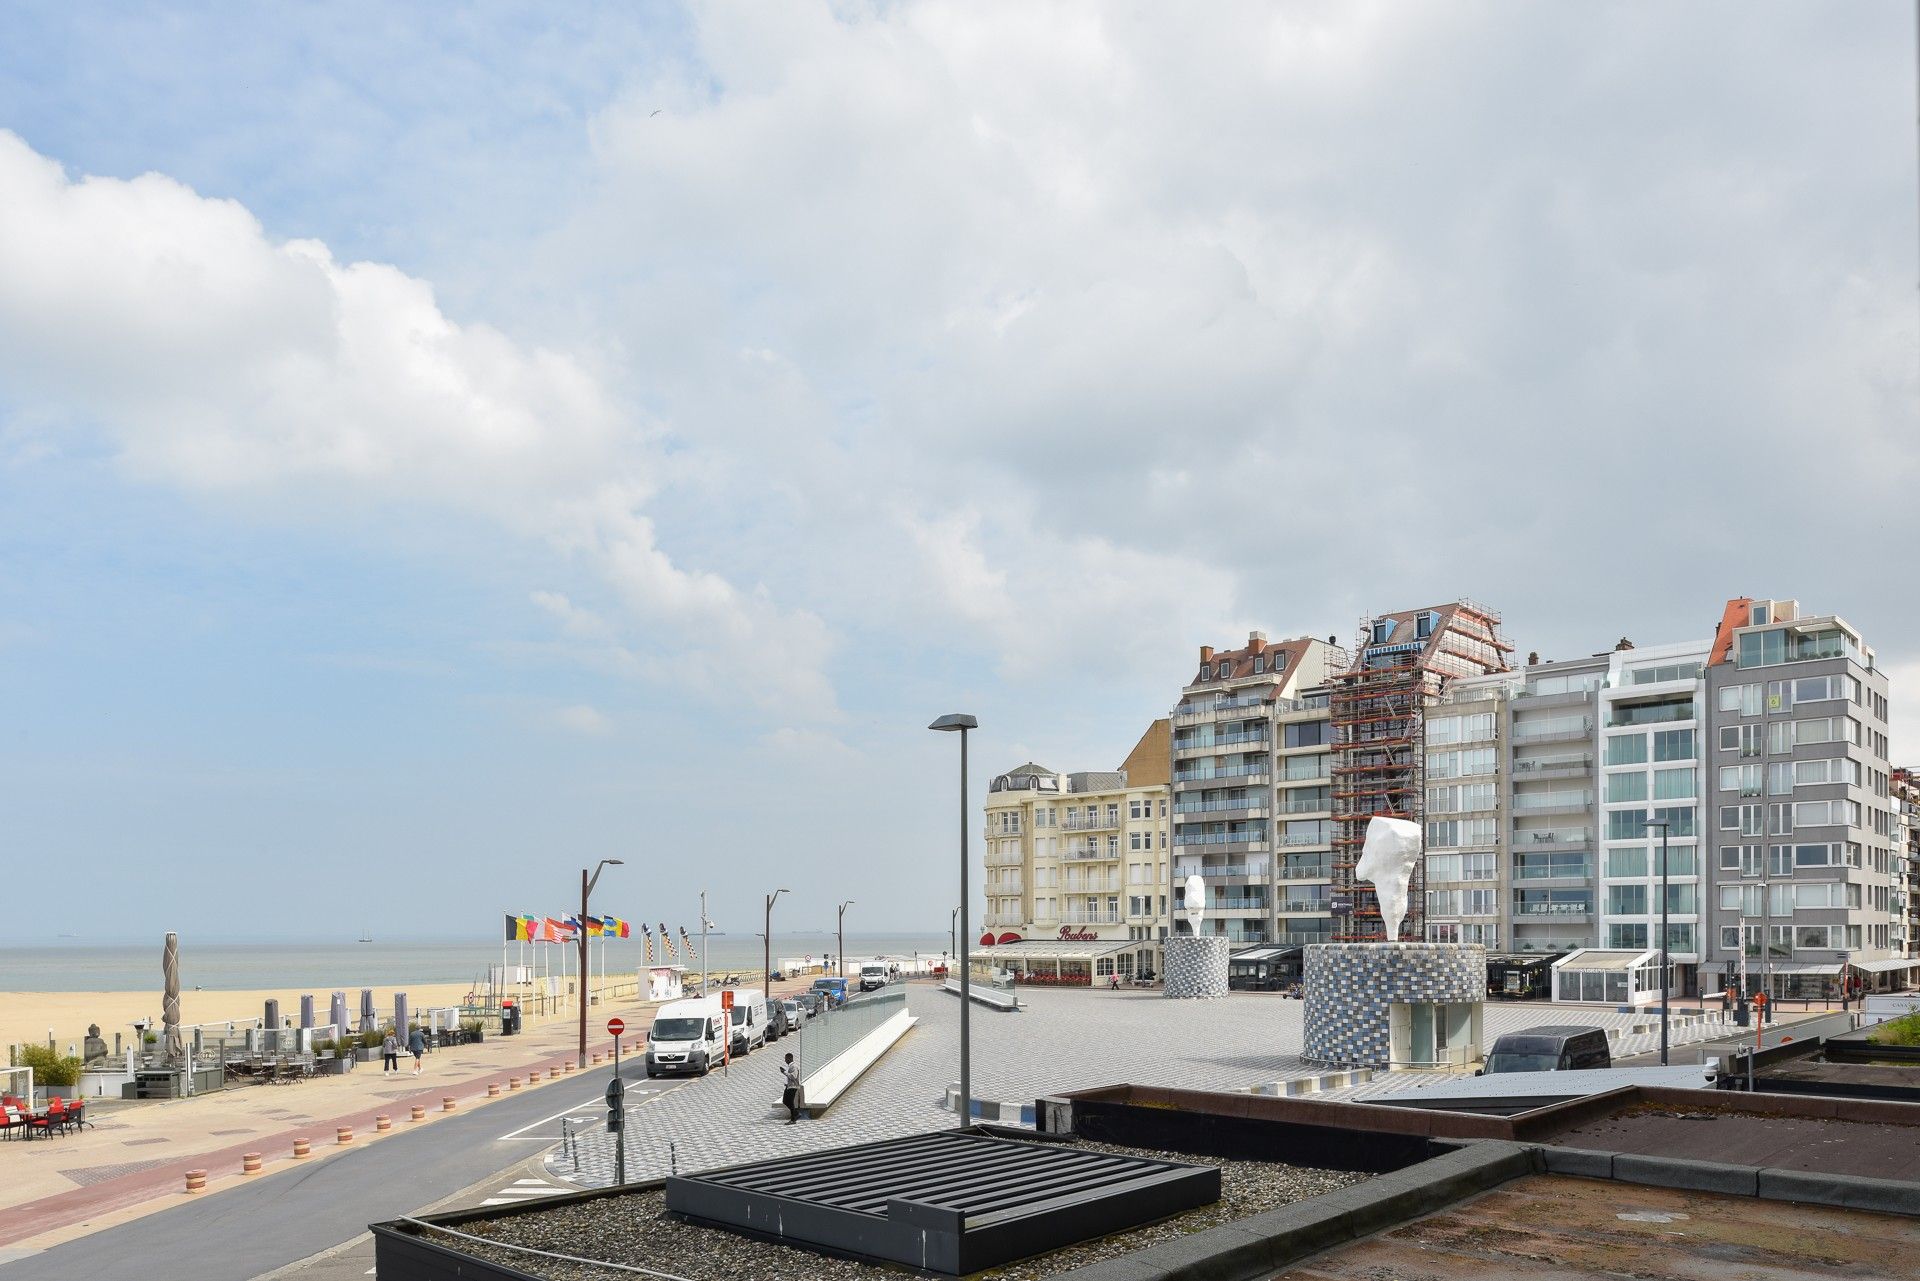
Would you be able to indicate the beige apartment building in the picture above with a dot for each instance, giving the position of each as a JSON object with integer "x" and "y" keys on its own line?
{"x": 1076, "y": 866}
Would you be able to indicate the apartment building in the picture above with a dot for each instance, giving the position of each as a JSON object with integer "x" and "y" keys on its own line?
{"x": 1905, "y": 791}
{"x": 1466, "y": 769}
{"x": 1402, "y": 664}
{"x": 1250, "y": 788}
{"x": 1076, "y": 867}
{"x": 1804, "y": 824}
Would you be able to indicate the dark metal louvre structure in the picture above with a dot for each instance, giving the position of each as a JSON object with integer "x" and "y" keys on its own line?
{"x": 950, "y": 1203}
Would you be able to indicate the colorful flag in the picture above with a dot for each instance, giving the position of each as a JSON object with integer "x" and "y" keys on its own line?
{"x": 519, "y": 928}
{"x": 553, "y": 931}
{"x": 616, "y": 927}
{"x": 593, "y": 927}
{"x": 570, "y": 923}
{"x": 649, "y": 937}
{"x": 666, "y": 942}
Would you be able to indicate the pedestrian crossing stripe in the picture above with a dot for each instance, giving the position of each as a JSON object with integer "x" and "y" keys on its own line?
{"x": 522, "y": 1190}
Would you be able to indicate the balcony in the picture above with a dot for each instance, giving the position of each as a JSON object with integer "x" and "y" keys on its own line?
{"x": 996, "y": 858}
{"x": 1093, "y": 885}
{"x": 1649, "y": 714}
{"x": 1558, "y": 730}
{"x": 1081, "y": 916}
{"x": 1312, "y": 906}
{"x": 1290, "y": 871}
{"x": 1220, "y": 871}
{"x": 1558, "y": 911}
{"x": 1086, "y": 855}
{"x": 1554, "y": 836}
{"x": 1011, "y": 885}
{"x": 995, "y": 829}
{"x": 1298, "y": 840}
{"x": 1221, "y": 741}
{"x": 1553, "y": 766}
{"x": 1317, "y": 805}
{"x": 1099, "y": 823}
{"x": 1200, "y": 775}
{"x": 1002, "y": 920}
{"x": 1304, "y": 940}
{"x": 1248, "y": 842}
{"x": 1257, "y": 806}
{"x": 1553, "y": 803}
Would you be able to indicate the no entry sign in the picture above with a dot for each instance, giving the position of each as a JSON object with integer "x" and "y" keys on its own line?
{"x": 616, "y": 1026}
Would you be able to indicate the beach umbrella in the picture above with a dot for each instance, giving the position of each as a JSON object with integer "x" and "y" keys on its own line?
{"x": 306, "y": 1010}
{"x": 270, "y": 1018}
{"x": 366, "y": 1009}
{"x": 337, "y": 1015}
{"x": 170, "y": 1000}
{"x": 400, "y": 1013}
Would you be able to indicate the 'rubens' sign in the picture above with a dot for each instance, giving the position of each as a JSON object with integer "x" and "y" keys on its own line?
{"x": 1070, "y": 935}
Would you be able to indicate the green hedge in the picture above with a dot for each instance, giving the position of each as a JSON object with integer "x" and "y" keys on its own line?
{"x": 1901, "y": 1031}
{"x": 50, "y": 1067}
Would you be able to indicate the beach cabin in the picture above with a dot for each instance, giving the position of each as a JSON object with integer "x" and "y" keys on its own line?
{"x": 664, "y": 982}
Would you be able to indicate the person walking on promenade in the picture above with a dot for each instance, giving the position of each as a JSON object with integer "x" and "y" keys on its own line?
{"x": 390, "y": 1054}
{"x": 790, "y": 1093}
{"x": 417, "y": 1043}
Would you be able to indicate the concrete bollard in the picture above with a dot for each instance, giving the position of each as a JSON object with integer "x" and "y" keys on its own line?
{"x": 419, "y": 1112}
{"x": 383, "y": 1122}
{"x": 513, "y": 1083}
{"x": 493, "y": 1089}
{"x": 596, "y": 1058}
{"x": 343, "y": 1135}
{"x": 533, "y": 1077}
{"x": 249, "y": 1163}
{"x": 446, "y": 1103}
{"x": 196, "y": 1181}
{"x": 301, "y": 1150}
{"x": 566, "y": 1065}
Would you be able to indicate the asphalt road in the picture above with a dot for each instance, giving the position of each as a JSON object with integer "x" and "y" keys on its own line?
{"x": 261, "y": 1226}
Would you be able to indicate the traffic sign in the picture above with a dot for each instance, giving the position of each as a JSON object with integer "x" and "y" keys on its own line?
{"x": 616, "y": 1026}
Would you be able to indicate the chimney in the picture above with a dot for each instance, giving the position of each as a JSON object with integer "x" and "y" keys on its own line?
{"x": 1333, "y": 640}
{"x": 1533, "y": 658}
{"x": 1206, "y": 653}
{"x": 1257, "y": 642}
{"x": 1624, "y": 644}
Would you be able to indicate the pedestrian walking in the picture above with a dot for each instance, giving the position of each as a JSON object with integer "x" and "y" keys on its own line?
{"x": 390, "y": 1054}
{"x": 790, "y": 1091}
{"x": 417, "y": 1042}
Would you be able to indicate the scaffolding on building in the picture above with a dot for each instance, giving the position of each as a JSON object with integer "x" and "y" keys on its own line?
{"x": 1402, "y": 663}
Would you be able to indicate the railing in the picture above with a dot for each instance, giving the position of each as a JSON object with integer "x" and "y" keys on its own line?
{"x": 1552, "y": 909}
{"x": 997, "y": 859}
{"x": 1214, "y": 807}
{"x": 1318, "y": 805}
{"x": 1649, "y": 714}
{"x": 1237, "y": 905}
{"x": 1081, "y": 823}
{"x": 1002, "y": 829}
{"x": 1219, "y": 838}
{"x": 1307, "y": 905}
{"x": 1015, "y": 886}
{"x": 1303, "y": 940}
{"x": 1554, "y": 836}
{"x": 1202, "y": 775}
{"x": 1084, "y": 855}
{"x": 1540, "y": 763}
{"x": 1549, "y": 802}
{"x": 1523, "y": 872}
{"x": 1557, "y": 730}
{"x": 1215, "y": 872}
{"x": 1080, "y": 916}
{"x": 1325, "y": 838}
{"x": 1305, "y": 871}
{"x": 1107, "y": 885}
{"x": 832, "y": 1033}
{"x": 1006, "y": 918}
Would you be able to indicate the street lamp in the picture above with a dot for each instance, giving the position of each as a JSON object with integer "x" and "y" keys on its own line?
{"x": 1663, "y": 825}
{"x": 841, "y": 934}
{"x": 587, "y": 882}
{"x": 947, "y": 724}
{"x": 766, "y": 968}
{"x": 953, "y": 932}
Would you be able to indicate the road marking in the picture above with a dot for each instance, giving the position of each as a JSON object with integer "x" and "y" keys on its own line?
{"x": 646, "y": 1093}
{"x": 522, "y": 1190}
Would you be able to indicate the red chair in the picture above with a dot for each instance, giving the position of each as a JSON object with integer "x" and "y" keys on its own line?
{"x": 58, "y": 1117}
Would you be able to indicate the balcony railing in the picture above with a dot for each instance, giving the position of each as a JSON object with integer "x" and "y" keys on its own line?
{"x": 1013, "y": 885}
{"x": 1258, "y": 803}
{"x": 1002, "y": 919}
{"x": 1098, "y": 823}
{"x": 1553, "y": 909}
{"x": 1552, "y": 802}
{"x": 1548, "y": 764}
{"x": 1184, "y": 838}
{"x": 1318, "y": 805}
{"x": 1529, "y": 872}
{"x": 1554, "y": 836}
{"x": 1304, "y": 940}
{"x": 1260, "y": 770}
{"x": 1305, "y": 871}
{"x": 1300, "y": 839}
{"x": 1218, "y": 870}
{"x": 1002, "y": 829}
{"x": 1559, "y": 730}
{"x": 1307, "y": 905}
{"x": 1649, "y": 714}
{"x": 1081, "y": 916}
{"x": 1095, "y": 853}
{"x": 997, "y": 859}
{"x": 1101, "y": 885}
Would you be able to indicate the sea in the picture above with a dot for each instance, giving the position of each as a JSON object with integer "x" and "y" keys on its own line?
{"x": 80, "y": 965}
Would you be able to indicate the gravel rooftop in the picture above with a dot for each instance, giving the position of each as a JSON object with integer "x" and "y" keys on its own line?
{"x": 637, "y": 1231}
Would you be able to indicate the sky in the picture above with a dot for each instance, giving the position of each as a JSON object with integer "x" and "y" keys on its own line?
{"x": 436, "y": 456}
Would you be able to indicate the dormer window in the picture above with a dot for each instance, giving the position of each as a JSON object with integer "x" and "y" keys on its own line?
{"x": 1762, "y": 613}
{"x": 1382, "y": 630}
{"x": 1258, "y": 664}
{"x": 1423, "y": 624}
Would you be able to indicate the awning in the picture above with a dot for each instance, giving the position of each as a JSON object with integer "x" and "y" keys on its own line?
{"x": 1594, "y": 958}
{"x": 1794, "y": 967}
{"x": 1056, "y": 950}
{"x": 1891, "y": 965}
{"x": 1263, "y": 954}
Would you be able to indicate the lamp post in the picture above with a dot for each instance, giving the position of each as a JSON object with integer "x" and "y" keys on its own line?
{"x": 766, "y": 968}
{"x": 1663, "y": 825}
{"x": 587, "y": 882}
{"x": 705, "y": 925}
{"x": 840, "y": 934}
{"x": 953, "y": 932}
{"x": 947, "y": 724}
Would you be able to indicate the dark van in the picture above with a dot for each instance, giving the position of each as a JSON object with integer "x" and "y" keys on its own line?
{"x": 1550, "y": 1049}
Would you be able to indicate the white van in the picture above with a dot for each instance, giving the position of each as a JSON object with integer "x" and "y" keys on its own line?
{"x": 686, "y": 1038}
{"x": 873, "y": 974}
{"x": 749, "y": 1023}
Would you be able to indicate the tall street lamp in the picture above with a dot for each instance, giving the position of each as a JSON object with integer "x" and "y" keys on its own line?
{"x": 1663, "y": 825}
{"x": 766, "y": 968}
{"x": 947, "y": 724}
{"x": 587, "y": 882}
{"x": 841, "y": 933}
{"x": 953, "y": 932}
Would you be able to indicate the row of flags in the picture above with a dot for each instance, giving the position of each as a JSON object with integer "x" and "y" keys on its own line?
{"x": 567, "y": 929}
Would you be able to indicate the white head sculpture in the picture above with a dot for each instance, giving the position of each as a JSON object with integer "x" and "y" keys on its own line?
{"x": 1196, "y": 903}
{"x": 1387, "y": 859}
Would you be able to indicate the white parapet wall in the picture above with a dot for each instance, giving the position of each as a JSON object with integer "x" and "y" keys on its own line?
{"x": 822, "y": 1086}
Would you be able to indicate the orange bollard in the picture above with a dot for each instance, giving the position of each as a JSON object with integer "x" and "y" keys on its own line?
{"x": 383, "y": 1122}
{"x": 343, "y": 1134}
{"x": 596, "y": 1058}
{"x": 566, "y": 1065}
{"x": 250, "y": 1163}
{"x": 419, "y": 1112}
{"x": 446, "y": 1104}
{"x": 533, "y": 1077}
{"x": 493, "y": 1089}
{"x": 196, "y": 1180}
{"x": 513, "y": 1083}
{"x": 301, "y": 1150}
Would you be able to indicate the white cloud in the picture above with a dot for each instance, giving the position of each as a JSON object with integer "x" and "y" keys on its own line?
{"x": 225, "y": 362}
{"x": 583, "y": 719}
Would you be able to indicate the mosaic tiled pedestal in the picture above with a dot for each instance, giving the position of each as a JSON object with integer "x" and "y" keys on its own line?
{"x": 1371, "y": 1004}
{"x": 1196, "y": 967}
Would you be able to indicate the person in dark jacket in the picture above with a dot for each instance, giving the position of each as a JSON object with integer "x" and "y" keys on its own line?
{"x": 417, "y": 1043}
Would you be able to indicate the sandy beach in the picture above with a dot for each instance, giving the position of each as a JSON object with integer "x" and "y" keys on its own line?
{"x": 26, "y": 1016}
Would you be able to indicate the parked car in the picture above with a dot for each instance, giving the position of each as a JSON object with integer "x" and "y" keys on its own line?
{"x": 834, "y": 990}
{"x": 811, "y": 1002}
{"x": 777, "y": 1025}
{"x": 1552, "y": 1048}
{"x": 686, "y": 1038}
{"x": 795, "y": 1015}
{"x": 749, "y": 1023}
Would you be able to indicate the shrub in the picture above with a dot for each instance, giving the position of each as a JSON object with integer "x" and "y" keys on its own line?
{"x": 1904, "y": 1030}
{"x": 50, "y": 1067}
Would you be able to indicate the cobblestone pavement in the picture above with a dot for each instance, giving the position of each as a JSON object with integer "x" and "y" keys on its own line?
{"x": 1063, "y": 1040}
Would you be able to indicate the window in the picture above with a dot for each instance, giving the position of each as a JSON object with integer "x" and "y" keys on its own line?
{"x": 1664, "y": 672}
{"x": 1461, "y": 831}
{"x": 1822, "y": 813}
{"x": 1833, "y": 769}
{"x": 1814, "y": 855}
{"x": 1815, "y": 688}
{"x": 1625, "y": 825}
{"x": 1680, "y": 936}
{"x": 1779, "y": 778}
{"x": 1652, "y": 713}
{"x": 1744, "y": 739}
{"x": 1626, "y": 749}
{"x": 1744, "y": 779}
{"x": 1673, "y": 745}
{"x": 1744, "y": 859}
{"x": 1306, "y": 734}
{"x": 1627, "y": 787}
{"x": 1467, "y": 796}
{"x": 1456, "y": 764}
{"x": 1744, "y": 819}
{"x": 1678, "y": 818}
{"x": 1630, "y": 861}
{"x": 1626, "y": 900}
{"x": 1812, "y": 936}
{"x": 1683, "y": 900}
{"x": 1673, "y": 784}
{"x": 1627, "y": 938}
{"x": 1780, "y": 820}
{"x": 1823, "y": 729}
